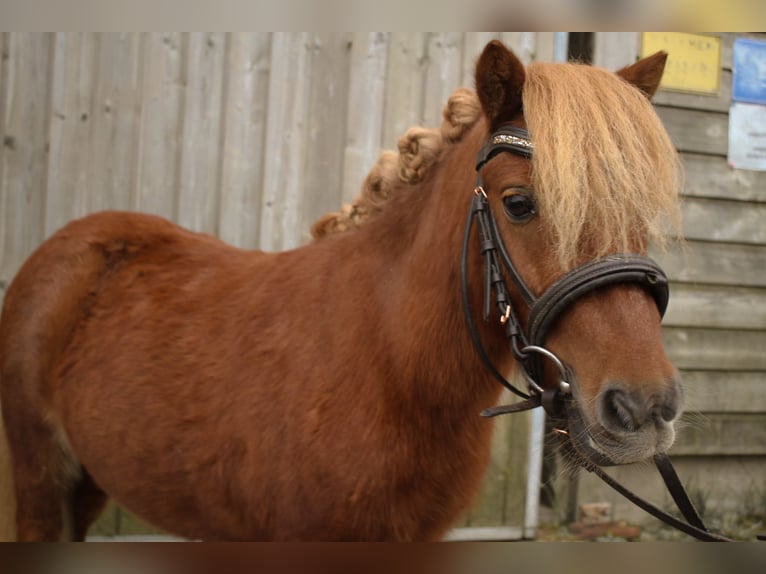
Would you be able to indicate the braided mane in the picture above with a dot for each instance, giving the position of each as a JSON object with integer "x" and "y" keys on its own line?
{"x": 604, "y": 169}
{"x": 418, "y": 150}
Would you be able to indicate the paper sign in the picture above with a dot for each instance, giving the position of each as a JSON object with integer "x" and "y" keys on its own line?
{"x": 694, "y": 60}
{"x": 749, "y": 74}
{"x": 747, "y": 136}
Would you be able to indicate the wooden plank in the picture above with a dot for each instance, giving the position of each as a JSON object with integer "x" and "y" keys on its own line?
{"x": 524, "y": 45}
{"x": 721, "y": 434}
{"x": 443, "y": 73}
{"x": 24, "y": 158}
{"x": 724, "y": 392}
{"x": 711, "y": 176}
{"x": 615, "y": 50}
{"x": 719, "y": 102}
{"x": 723, "y": 220}
{"x": 719, "y": 485}
{"x": 485, "y": 534}
{"x": 248, "y": 61}
{"x": 325, "y": 130}
{"x": 696, "y": 130}
{"x": 501, "y": 499}
{"x": 473, "y": 44}
{"x": 202, "y": 132}
{"x": 545, "y": 46}
{"x": 715, "y": 263}
{"x": 70, "y": 129}
{"x": 405, "y": 84}
{"x": 161, "y": 116}
{"x": 364, "y": 123}
{"x": 693, "y": 305}
{"x": 285, "y": 150}
{"x": 5, "y": 142}
{"x": 112, "y": 143}
{"x": 715, "y": 349}
{"x": 8, "y": 516}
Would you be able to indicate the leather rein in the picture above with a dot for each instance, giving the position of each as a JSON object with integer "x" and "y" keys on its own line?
{"x": 527, "y": 345}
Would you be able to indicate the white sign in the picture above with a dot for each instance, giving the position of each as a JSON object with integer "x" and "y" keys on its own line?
{"x": 747, "y": 136}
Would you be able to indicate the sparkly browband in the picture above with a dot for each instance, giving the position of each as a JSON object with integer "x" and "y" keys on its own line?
{"x": 512, "y": 140}
{"x": 507, "y": 138}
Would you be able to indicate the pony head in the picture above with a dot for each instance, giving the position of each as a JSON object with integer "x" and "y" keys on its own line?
{"x": 603, "y": 179}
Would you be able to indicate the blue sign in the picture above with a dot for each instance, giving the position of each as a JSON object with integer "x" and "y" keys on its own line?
{"x": 749, "y": 76}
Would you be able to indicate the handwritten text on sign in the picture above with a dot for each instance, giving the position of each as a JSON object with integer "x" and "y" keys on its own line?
{"x": 694, "y": 60}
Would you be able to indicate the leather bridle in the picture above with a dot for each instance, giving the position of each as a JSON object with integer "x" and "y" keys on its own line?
{"x": 528, "y": 345}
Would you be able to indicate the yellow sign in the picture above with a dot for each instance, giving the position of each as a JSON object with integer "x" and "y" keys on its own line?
{"x": 694, "y": 60}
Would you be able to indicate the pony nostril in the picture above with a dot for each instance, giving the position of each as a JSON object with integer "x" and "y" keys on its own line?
{"x": 668, "y": 413}
{"x": 621, "y": 412}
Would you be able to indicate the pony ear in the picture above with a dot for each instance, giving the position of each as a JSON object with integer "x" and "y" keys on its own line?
{"x": 646, "y": 74}
{"x": 499, "y": 80}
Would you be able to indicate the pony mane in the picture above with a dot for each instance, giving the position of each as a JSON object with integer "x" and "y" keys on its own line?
{"x": 418, "y": 150}
{"x": 604, "y": 169}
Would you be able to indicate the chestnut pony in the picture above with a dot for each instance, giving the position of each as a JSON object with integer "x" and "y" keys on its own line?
{"x": 333, "y": 392}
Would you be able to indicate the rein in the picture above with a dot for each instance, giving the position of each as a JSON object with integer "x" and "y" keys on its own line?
{"x": 527, "y": 346}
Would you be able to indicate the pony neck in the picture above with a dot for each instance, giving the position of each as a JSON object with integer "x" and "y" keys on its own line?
{"x": 418, "y": 238}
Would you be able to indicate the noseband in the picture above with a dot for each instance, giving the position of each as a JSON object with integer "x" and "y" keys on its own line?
{"x": 528, "y": 345}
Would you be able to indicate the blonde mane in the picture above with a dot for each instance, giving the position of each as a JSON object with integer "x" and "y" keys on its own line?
{"x": 418, "y": 149}
{"x": 604, "y": 169}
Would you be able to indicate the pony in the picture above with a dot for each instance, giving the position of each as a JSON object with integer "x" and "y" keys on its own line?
{"x": 332, "y": 392}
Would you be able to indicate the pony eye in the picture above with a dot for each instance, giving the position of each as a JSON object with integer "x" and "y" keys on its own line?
{"x": 518, "y": 206}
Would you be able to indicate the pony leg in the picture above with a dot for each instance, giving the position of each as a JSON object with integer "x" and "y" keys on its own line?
{"x": 89, "y": 502}
{"x": 7, "y": 495}
{"x": 44, "y": 476}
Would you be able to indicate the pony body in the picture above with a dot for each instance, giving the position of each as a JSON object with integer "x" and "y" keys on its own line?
{"x": 330, "y": 392}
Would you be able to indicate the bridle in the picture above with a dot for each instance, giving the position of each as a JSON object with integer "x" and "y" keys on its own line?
{"x": 528, "y": 345}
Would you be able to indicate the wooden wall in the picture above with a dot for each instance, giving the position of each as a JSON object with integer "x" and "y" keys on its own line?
{"x": 715, "y": 327}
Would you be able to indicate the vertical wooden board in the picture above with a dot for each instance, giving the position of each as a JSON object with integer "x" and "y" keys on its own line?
{"x": 443, "y": 74}
{"x": 113, "y": 119}
{"x": 501, "y": 499}
{"x": 325, "y": 131}
{"x": 523, "y": 44}
{"x": 364, "y": 124}
{"x": 7, "y": 518}
{"x": 404, "y": 87}
{"x": 202, "y": 132}
{"x": 162, "y": 101}
{"x": 70, "y": 137}
{"x": 25, "y": 147}
{"x": 473, "y": 44}
{"x": 545, "y": 46}
{"x": 247, "y": 88}
{"x": 5, "y": 142}
{"x": 517, "y": 468}
{"x": 285, "y": 141}
{"x": 489, "y": 507}
{"x": 615, "y": 50}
